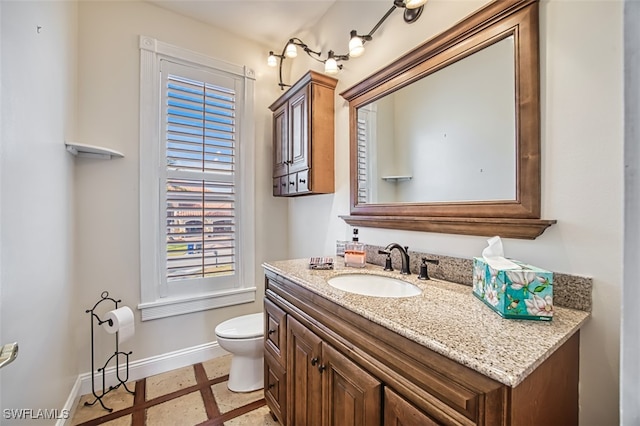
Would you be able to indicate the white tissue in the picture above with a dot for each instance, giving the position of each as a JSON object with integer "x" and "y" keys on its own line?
{"x": 493, "y": 255}
{"x": 121, "y": 322}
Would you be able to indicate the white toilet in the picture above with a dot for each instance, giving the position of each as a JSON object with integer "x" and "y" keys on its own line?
{"x": 243, "y": 337}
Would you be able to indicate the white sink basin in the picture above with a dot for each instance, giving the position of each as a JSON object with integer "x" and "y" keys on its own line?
{"x": 374, "y": 285}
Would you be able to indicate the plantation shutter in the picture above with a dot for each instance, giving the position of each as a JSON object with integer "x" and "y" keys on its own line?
{"x": 362, "y": 140}
{"x": 200, "y": 178}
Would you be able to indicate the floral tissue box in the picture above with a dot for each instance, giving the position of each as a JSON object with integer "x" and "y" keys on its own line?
{"x": 523, "y": 293}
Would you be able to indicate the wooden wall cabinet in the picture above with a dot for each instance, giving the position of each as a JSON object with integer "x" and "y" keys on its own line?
{"x": 303, "y": 137}
{"x": 342, "y": 369}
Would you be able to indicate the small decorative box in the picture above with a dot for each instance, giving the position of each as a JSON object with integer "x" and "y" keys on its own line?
{"x": 321, "y": 263}
{"x": 522, "y": 293}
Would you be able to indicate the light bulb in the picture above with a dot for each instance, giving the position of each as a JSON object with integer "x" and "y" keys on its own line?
{"x": 272, "y": 61}
{"x": 355, "y": 47}
{"x": 414, "y": 4}
{"x": 331, "y": 66}
{"x": 291, "y": 51}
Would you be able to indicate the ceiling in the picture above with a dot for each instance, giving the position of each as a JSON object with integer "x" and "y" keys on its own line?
{"x": 265, "y": 21}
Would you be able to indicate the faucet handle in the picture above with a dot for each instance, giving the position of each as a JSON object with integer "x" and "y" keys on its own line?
{"x": 424, "y": 273}
{"x": 387, "y": 262}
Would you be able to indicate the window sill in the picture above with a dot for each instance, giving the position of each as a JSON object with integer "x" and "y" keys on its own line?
{"x": 168, "y": 307}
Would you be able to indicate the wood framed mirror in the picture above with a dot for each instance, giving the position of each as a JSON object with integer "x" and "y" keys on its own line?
{"x": 472, "y": 92}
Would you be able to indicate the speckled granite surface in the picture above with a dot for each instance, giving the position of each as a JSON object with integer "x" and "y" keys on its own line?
{"x": 448, "y": 319}
{"x": 570, "y": 291}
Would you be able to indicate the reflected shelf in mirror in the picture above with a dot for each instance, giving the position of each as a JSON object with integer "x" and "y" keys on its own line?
{"x": 396, "y": 178}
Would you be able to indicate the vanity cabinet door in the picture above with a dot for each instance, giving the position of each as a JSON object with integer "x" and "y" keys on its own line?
{"x": 351, "y": 396}
{"x": 275, "y": 388}
{"x": 304, "y": 378}
{"x": 400, "y": 412}
{"x": 275, "y": 332}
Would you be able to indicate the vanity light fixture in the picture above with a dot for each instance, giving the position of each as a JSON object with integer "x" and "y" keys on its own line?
{"x": 412, "y": 11}
{"x": 331, "y": 65}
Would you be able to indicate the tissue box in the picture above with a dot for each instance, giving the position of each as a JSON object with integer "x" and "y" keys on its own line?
{"x": 523, "y": 293}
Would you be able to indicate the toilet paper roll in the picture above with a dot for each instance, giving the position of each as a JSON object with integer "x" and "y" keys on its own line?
{"x": 120, "y": 321}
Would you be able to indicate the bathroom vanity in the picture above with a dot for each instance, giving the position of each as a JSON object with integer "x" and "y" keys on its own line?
{"x": 441, "y": 357}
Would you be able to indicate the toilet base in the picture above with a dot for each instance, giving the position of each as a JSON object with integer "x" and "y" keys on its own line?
{"x": 246, "y": 374}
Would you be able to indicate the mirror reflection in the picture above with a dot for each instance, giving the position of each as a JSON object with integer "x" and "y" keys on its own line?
{"x": 448, "y": 137}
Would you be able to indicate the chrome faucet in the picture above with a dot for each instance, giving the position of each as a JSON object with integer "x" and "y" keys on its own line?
{"x": 404, "y": 255}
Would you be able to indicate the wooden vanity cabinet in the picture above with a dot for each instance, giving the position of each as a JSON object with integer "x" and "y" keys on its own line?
{"x": 303, "y": 137}
{"x": 275, "y": 339}
{"x": 400, "y": 412}
{"x": 342, "y": 369}
{"x": 324, "y": 387}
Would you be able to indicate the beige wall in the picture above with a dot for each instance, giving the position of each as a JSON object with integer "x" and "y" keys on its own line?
{"x": 37, "y": 303}
{"x": 107, "y": 191}
{"x": 582, "y": 144}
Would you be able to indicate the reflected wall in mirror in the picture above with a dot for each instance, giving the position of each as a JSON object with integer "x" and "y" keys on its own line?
{"x": 450, "y": 136}
{"x": 447, "y": 138}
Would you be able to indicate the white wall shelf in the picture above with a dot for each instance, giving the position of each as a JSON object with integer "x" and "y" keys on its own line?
{"x": 90, "y": 151}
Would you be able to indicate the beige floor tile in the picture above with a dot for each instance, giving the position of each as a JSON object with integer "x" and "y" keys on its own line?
{"x": 217, "y": 367}
{"x": 120, "y": 421}
{"x": 261, "y": 416}
{"x": 228, "y": 400}
{"x": 171, "y": 381}
{"x": 117, "y": 399}
{"x": 186, "y": 410}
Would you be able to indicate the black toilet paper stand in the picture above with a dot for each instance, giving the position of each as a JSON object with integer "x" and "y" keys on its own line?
{"x": 117, "y": 354}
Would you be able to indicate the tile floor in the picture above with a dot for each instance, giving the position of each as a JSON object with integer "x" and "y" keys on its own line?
{"x": 189, "y": 396}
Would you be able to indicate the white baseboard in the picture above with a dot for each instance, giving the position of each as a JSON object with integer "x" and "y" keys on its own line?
{"x": 140, "y": 369}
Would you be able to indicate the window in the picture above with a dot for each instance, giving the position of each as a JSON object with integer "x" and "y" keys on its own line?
{"x": 196, "y": 195}
{"x": 366, "y": 173}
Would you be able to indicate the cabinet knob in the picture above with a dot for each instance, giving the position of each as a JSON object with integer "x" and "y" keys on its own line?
{"x": 314, "y": 361}
{"x": 292, "y": 183}
{"x": 322, "y": 367}
{"x": 271, "y": 331}
{"x": 303, "y": 181}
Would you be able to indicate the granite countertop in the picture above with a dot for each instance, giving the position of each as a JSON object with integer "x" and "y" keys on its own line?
{"x": 448, "y": 319}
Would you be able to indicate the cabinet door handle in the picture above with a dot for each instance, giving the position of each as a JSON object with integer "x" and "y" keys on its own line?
{"x": 303, "y": 181}
{"x": 322, "y": 367}
{"x": 271, "y": 331}
{"x": 292, "y": 183}
{"x": 314, "y": 361}
{"x": 271, "y": 386}
{"x": 284, "y": 184}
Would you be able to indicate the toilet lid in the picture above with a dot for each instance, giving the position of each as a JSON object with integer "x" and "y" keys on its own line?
{"x": 243, "y": 327}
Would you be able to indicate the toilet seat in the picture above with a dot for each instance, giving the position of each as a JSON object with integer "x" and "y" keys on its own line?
{"x": 242, "y": 327}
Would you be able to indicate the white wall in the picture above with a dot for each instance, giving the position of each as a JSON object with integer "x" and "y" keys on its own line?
{"x": 107, "y": 191}
{"x": 38, "y": 302}
{"x": 455, "y": 130}
{"x": 582, "y": 162}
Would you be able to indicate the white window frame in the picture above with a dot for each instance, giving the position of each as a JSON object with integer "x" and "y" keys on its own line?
{"x": 156, "y": 302}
